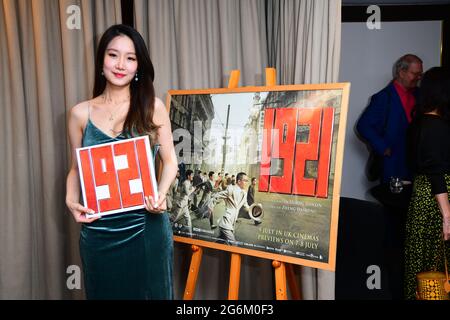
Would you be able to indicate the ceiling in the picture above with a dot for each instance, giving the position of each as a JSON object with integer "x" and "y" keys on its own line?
{"x": 393, "y": 2}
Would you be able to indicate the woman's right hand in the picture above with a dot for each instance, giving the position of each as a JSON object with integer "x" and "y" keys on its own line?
{"x": 79, "y": 212}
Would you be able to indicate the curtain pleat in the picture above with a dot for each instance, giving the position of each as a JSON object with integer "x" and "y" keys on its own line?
{"x": 304, "y": 40}
{"x": 196, "y": 43}
{"x": 47, "y": 69}
{"x": 14, "y": 159}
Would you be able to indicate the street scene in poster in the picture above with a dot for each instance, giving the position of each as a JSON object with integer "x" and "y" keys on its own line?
{"x": 256, "y": 169}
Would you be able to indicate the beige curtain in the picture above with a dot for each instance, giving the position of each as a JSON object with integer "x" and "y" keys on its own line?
{"x": 304, "y": 39}
{"x": 195, "y": 44}
{"x": 47, "y": 69}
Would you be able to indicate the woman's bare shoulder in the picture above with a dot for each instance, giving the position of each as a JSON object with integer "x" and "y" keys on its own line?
{"x": 80, "y": 111}
{"x": 160, "y": 115}
{"x": 159, "y": 105}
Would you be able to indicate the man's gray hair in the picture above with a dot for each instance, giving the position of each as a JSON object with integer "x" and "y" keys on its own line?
{"x": 404, "y": 62}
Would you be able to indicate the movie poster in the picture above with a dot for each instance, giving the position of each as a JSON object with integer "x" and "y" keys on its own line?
{"x": 259, "y": 170}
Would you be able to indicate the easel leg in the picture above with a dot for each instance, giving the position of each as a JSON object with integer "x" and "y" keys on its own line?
{"x": 271, "y": 77}
{"x": 235, "y": 275}
{"x": 196, "y": 259}
{"x": 233, "y": 82}
{"x": 280, "y": 280}
{"x": 235, "y": 268}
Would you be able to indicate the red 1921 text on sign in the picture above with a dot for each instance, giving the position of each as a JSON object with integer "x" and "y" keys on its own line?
{"x": 281, "y": 142}
{"x": 116, "y": 176}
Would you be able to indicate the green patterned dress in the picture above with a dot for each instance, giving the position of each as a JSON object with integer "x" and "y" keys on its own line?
{"x": 424, "y": 243}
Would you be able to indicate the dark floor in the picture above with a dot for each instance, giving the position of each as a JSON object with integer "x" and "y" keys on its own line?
{"x": 369, "y": 237}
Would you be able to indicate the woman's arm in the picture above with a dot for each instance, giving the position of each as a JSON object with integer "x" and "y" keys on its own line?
{"x": 167, "y": 155}
{"x": 433, "y": 155}
{"x": 444, "y": 207}
{"x": 75, "y": 131}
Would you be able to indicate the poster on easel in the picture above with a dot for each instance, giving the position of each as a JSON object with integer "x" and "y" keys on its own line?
{"x": 260, "y": 170}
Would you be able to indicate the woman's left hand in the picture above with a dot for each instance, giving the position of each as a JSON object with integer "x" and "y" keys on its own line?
{"x": 158, "y": 206}
{"x": 446, "y": 228}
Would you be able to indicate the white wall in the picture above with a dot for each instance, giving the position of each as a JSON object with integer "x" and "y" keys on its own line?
{"x": 367, "y": 57}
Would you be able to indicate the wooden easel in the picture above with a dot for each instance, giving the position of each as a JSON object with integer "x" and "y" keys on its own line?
{"x": 282, "y": 270}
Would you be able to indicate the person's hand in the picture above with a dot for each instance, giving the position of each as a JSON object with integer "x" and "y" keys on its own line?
{"x": 387, "y": 152}
{"x": 158, "y": 206}
{"x": 446, "y": 228}
{"x": 79, "y": 212}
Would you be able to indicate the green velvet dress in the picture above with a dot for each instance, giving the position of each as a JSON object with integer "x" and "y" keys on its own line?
{"x": 127, "y": 255}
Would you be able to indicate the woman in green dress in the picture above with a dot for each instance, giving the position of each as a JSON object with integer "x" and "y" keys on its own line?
{"x": 428, "y": 220}
{"x": 127, "y": 255}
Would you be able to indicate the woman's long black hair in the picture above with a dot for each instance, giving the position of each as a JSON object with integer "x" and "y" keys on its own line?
{"x": 142, "y": 93}
{"x": 434, "y": 93}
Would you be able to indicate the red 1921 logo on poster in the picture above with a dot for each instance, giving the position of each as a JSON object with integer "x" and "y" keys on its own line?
{"x": 281, "y": 126}
{"x": 116, "y": 176}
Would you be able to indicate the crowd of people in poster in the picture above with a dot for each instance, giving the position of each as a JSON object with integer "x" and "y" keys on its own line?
{"x": 200, "y": 192}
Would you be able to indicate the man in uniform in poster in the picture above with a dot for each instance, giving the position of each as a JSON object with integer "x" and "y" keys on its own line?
{"x": 251, "y": 192}
{"x": 204, "y": 205}
{"x": 235, "y": 198}
{"x": 197, "y": 180}
{"x": 182, "y": 205}
{"x": 172, "y": 193}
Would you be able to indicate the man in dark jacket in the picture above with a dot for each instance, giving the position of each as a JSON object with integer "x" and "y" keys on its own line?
{"x": 384, "y": 125}
{"x": 251, "y": 192}
{"x": 385, "y": 121}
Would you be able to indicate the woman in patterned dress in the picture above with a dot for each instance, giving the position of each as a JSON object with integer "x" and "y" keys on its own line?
{"x": 428, "y": 220}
